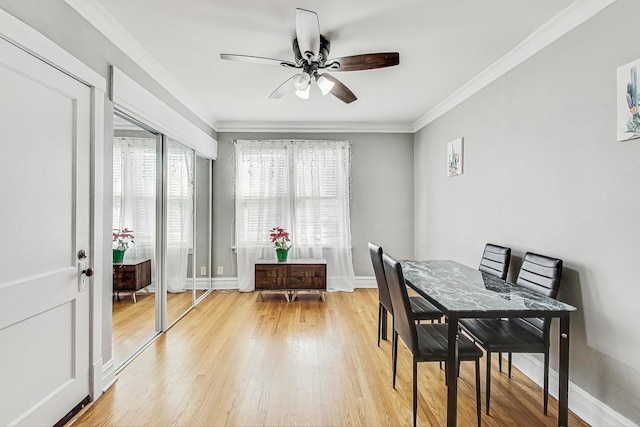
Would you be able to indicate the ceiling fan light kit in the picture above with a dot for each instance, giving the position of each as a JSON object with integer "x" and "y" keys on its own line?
{"x": 324, "y": 84}
{"x": 311, "y": 52}
{"x": 303, "y": 94}
{"x": 302, "y": 81}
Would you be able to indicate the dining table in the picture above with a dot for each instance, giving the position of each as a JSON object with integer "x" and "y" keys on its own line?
{"x": 460, "y": 291}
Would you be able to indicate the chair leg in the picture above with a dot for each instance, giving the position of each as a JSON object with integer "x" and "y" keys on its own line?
{"x": 394, "y": 356}
{"x": 384, "y": 325}
{"x": 488, "y": 380}
{"x": 415, "y": 391}
{"x": 379, "y": 322}
{"x": 394, "y": 337}
{"x": 500, "y": 361}
{"x": 510, "y": 363}
{"x": 478, "y": 398}
{"x": 446, "y": 377}
{"x": 546, "y": 380}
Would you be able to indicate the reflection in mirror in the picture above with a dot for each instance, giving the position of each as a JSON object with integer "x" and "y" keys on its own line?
{"x": 202, "y": 256}
{"x": 179, "y": 174}
{"x": 135, "y": 205}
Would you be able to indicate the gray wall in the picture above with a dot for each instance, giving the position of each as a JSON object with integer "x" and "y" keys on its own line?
{"x": 381, "y": 195}
{"x": 543, "y": 172}
{"x": 202, "y": 224}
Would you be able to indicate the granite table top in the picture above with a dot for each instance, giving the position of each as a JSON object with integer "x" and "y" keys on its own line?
{"x": 458, "y": 289}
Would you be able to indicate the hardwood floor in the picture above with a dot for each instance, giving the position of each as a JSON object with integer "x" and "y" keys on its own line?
{"x": 135, "y": 324}
{"x": 233, "y": 361}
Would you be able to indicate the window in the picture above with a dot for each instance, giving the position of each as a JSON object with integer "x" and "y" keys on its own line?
{"x": 302, "y": 186}
{"x": 134, "y": 191}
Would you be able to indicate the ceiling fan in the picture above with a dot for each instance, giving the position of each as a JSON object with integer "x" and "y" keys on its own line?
{"x": 311, "y": 52}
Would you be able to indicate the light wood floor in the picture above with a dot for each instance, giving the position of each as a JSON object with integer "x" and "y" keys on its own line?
{"x": 135, "y": 324}
{"x": 233, "y": 361}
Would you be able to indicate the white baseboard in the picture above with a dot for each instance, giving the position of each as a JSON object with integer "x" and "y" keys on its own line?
{"x": 584, "y": 405}
{"x": 231, "y": 283}
{"x": 97, "y": 375}
{"x": 224, "y": 283}
{"x": 108, "y": 374}
{"x": 366, "y": 282}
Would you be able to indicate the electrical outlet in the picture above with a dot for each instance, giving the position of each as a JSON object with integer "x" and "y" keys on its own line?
{"x": 203, "y": 271}
{"x": 220, "y": 270}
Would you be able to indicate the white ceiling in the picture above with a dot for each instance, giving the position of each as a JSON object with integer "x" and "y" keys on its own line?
{"x": 443, "y": 46}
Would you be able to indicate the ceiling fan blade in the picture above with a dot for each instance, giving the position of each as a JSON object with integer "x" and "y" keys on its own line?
{"x": 308, "y": 33}
{"x": 257, "y": 60}
{"x": 339, "y": 90}
{"x": 284, "y": 89}
{"x": 367, "y": 61}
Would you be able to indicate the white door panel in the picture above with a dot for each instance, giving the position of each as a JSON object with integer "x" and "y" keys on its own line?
{"x": 44, "y": 188}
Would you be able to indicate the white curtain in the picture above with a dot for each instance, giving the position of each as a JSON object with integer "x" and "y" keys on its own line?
{"x": 134, "y": 194}
{"x": 179, "y": 163}
{"x": 302, "y": 186}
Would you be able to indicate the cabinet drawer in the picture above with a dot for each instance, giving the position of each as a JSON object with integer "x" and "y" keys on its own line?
{"x": 271, "y": 282}
{"x": 271, "y": 271}
{"x": 304, "y": 270}
{"x": 124, "y": 274}
{"x": 307, "y": 282}
{"x": 124, "y": 279}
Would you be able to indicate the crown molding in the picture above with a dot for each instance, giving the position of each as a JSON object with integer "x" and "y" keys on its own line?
{"x": 103, "y": 21}
{"x": 315, "y": 127}
{"x": 29, "y": 39}
{"x": 577, "y": 13}
{"x": 571, "y": 17}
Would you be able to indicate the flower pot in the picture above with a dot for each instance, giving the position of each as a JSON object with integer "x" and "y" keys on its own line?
{"x": 118, "y": 255}
{"x": 281, "y": 254}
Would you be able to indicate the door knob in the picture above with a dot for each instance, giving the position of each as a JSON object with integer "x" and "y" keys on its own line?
{"x": 88, "y": 272}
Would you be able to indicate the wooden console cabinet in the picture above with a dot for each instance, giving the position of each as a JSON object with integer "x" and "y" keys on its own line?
{"x": 291, "y": 276}
{"x": 131, "y": 276}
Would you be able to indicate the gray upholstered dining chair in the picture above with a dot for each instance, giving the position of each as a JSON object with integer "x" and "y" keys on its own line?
{"x": 495, "y": 260}
{"x": 538, "y": 273}
{"x": 422, "y": 309}
{"x": 426, "y": 342}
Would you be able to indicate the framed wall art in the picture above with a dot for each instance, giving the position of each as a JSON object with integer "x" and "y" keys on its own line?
{"x": 628, "y": 125}
{"x": 454, "y": 157}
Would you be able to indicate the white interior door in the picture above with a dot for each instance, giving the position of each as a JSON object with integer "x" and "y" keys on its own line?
{"x": 44, "y": 188}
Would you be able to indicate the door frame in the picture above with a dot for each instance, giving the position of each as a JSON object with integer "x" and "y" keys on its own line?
{"x": 35, "y": 43}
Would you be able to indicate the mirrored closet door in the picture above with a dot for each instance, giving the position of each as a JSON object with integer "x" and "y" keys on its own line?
{"x": 136, "y": 195}
{"x": 162, "y": 234}
{"x": 179, "y": 225}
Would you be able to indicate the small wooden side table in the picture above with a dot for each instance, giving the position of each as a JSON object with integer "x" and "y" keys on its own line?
{"x": 131, "y": 276}
{"x": 304, "y": 274}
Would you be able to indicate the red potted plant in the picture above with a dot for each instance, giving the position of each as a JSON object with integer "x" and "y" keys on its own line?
{"x": 280, "y": 239}
{"x": 122, "y": 238}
